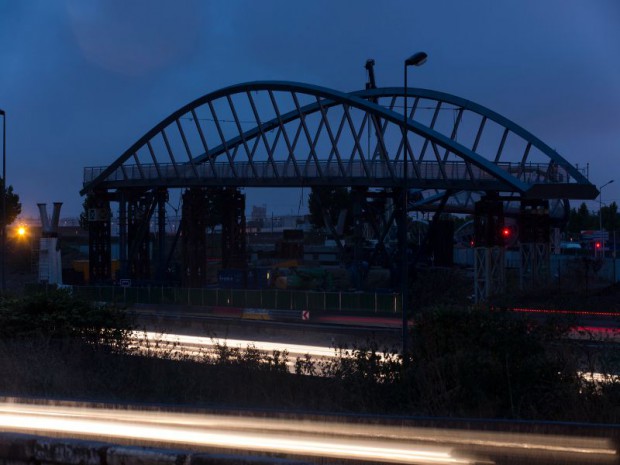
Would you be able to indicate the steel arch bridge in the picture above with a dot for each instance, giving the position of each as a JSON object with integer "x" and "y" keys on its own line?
{"x": 272, "y": 134}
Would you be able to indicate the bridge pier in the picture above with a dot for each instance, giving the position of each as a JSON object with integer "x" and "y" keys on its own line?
{"x": 358, "y": 199}
{"x": 136, "y": 209}
{"x": 99, "y": 238}
{"x": 489, "y": 267}
{"x": 534, "y": 235}
{"x": 233, "y": 230}
{"x": 139, "y": 238}
{"x": 194, "y": 239}
{"x": 122, "y": 235}
{"x": 161, "y": 199}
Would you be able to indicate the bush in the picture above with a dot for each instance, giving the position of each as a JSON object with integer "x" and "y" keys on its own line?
{"x": 492, "y": 364}
{"x": 57, "y": 315}
{"x": 463, "y": 363}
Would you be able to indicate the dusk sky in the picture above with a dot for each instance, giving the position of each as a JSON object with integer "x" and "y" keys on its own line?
{"x": 81, "y": 80}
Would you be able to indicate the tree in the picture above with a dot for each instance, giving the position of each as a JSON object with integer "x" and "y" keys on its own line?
{"x": 92, "y": 202}
{"x": 581, "y": 219}
{"x": 84, "y": 214}
{"x": 13, "y": 205}
{"x": 333, "y": 200}
{"x": 610, "y": 217}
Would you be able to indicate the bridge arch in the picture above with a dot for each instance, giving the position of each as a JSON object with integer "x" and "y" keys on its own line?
{"x": 302, "y": 135}
{"x": 274, "y": 134}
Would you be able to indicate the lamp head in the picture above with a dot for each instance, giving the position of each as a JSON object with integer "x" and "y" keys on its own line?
{"x": 417, "y": 59}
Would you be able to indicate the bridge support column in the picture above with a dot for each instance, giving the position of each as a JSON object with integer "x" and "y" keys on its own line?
{"x": 138, "y": 234}
{"x": 358, "y": 197}
{"x": 534, "y": 269}
{"x": 380, "y": 225}
{"x": 233, "y": 230}
{"x": 161, "y": 199}
{"x": 534, "y": 235}
{"x": 194, "y": 247}
{"x": 489, "y": 260}
{"x": 122, "y": 236}
{"x": 99, "y": 239}
{"x": 489, "y": 276}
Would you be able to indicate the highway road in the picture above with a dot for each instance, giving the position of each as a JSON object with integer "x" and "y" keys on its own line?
{"x": 201, "y": 347}
{"x": 336, "y": 440}
{"x": 193, "y": 333}
{"x": 327, "y": 440}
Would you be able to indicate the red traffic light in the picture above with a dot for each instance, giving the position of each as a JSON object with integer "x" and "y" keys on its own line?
{"x": 506, "y": 232}
{"x": 597, "y": 245}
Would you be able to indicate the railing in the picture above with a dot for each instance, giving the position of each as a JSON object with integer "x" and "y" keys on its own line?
{"x": 269, "y": 299}
{"x": 376, "y": 170}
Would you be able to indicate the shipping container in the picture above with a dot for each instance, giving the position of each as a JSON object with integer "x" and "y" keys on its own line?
{"x": 232, "y": 279}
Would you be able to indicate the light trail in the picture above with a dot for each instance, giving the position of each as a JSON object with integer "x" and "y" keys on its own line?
{"x": 210, "y": 343}
{"x": 236, "y": 433}
{"x": 300, "y": 437}
{"x": 200, "y": 347}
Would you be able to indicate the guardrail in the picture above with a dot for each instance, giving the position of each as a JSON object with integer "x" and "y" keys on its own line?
{"x": 25, "y": 449}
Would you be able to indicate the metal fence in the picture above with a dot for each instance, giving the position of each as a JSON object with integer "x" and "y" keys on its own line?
{"x": 272, "y": 299}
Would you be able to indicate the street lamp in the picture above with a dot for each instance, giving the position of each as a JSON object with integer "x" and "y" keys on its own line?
{"x": 600, "y": 205}
{"x": 417, "y": 59}
{"x": 3, "y": 239}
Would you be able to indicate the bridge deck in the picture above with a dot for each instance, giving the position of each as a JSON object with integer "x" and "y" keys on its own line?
{"x": 425, "y": 174}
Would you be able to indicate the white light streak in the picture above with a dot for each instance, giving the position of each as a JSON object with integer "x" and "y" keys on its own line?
{"x": 382, "y": 443}
{"x": 156, "y": 427}
{"x": 210, "y": 343}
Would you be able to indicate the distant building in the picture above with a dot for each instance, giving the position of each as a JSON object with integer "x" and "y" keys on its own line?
{"x": 258, "y": 213}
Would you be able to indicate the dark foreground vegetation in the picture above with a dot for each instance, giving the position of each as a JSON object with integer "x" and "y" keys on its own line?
{"x": 464, "y": 363}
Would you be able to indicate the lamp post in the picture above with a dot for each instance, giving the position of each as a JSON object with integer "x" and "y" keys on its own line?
{"x": 417, "y": 59}
{"x": 600, "y": 205}
{"x": 3, "y": 241}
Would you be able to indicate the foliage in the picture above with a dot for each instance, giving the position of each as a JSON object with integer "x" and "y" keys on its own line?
{"x": 491, "y": 364}
{"x": 581, "y": 219}
{"x": 365, "y": 378}
{"x": 84, "y": 213}
{"x": 334, "y": 200}
{"x": 610, "y": 217}
{"x": 92, "y": 201}
{"x": 463, "y": 363}
{"x": 13, "y": 205}
{"x": 250, "y": 358}
{"x": 57, "y": 314}
{"x": 438, "y": 286}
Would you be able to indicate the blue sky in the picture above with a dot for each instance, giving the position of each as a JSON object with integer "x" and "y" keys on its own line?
{"x": 81, "y": 80}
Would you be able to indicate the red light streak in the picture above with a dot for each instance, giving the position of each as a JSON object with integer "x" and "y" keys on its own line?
{"x": 566, "y": 312}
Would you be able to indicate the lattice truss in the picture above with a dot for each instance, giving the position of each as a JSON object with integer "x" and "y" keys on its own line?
{"x": 489, "y": 272}
{"x": 282, "y": 134}
{"x": 534, "y": 269}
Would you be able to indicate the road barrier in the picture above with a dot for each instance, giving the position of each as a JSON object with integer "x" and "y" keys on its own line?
{"x": 25, "y": 449}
